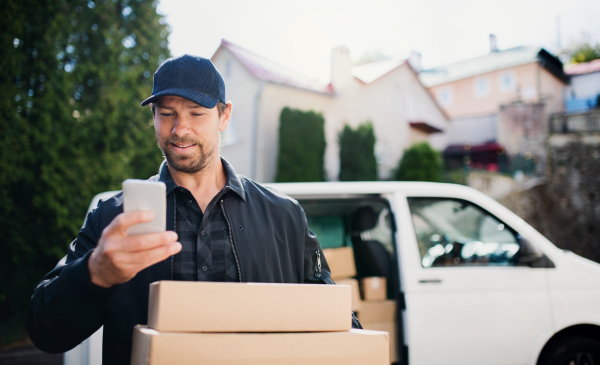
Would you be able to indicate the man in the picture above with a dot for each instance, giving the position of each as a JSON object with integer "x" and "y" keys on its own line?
{"x": 220, "y": 227}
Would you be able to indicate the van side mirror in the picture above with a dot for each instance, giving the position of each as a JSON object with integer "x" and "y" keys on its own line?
{"x": 530, "y": 256}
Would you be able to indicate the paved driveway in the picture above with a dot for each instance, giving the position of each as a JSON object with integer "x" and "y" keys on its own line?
{"x": 29, "y": 354}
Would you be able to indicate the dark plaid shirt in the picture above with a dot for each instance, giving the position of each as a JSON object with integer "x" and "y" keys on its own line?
{"x": 207, "y": 252}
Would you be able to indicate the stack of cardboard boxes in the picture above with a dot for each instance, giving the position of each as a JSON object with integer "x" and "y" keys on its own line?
{"x": 252, "y": 323}
{"x": 369, "y": 295}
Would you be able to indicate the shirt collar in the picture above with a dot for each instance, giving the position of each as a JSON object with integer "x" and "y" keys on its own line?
{"x": 233, "y": 181}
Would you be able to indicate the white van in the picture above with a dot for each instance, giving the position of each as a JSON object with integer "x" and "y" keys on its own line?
{"x": 472, "y": 282}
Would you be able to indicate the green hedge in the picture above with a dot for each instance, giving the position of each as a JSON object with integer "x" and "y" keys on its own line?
{"x": 420, "y": 162}
{"x": 357, "y": 153}
{"x": 301, "y": 146}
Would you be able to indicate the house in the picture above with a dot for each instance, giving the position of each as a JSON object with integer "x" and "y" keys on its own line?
{"x": 498, "y": 103}
{"x": 583, "y": 92}
{"x": 387, "y": 93}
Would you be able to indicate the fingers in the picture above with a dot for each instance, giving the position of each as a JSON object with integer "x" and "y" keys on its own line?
{"x": 146, "y": 258}
{"x": 123, "y": 221}
{"x": 148, "y": 241}
{"x": 119, "y": 257}
{"x": 110, "y": 267}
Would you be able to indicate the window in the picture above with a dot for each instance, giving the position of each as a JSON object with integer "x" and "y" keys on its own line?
{"x": 444, "y": 96}
{"x": 452, "y": 232}
{"x": 482, "y": 87}
{"x": 507, "y": 81}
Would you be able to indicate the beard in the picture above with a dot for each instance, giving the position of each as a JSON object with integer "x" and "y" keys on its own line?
{"x": 190, "y": 163}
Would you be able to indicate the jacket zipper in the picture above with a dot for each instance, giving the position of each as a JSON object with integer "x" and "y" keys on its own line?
{"x": 237, "y": 262}
{"x": 318, "y": 264}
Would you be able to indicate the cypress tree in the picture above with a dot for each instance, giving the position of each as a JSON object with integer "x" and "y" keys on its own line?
{"x": 357, "y": 153}
{"x": 301, "y": 146}
{"x": 74, "y": 73}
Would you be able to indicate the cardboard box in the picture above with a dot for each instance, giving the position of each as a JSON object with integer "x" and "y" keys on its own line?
{"x": 354, "y": 292}
{"x": 389, "y": 327}
{"x": 341, "y": 262}
{"x": 374, "y": 288}
{"x": 376, "y": 312}
{"x": 188, "y": 306}
{"x": 354, "y": 347}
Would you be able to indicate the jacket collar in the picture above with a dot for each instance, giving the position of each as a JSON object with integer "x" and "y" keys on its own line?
{"x": 233, "y": 180}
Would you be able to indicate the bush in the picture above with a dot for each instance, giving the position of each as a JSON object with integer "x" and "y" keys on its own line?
{"x": 357, "y": 153}
{"x": 420, "y": 162}
{"x": 301, "y": 146}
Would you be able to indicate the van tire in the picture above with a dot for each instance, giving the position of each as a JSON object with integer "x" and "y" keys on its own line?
{"x": 571, "y": 350}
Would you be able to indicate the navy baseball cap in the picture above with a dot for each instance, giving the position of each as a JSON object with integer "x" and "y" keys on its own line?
{"x": 190, "y": 77}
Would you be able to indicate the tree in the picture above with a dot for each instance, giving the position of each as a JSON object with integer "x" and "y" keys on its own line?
{"x": 301, "y": 146}
{"x": 586, "y": 52}
{"x": 419, "y": 162}
{"x": 357, "y": 153}
{"x": 74, "y": 73}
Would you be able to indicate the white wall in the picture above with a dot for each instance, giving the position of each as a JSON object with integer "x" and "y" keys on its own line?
{"x": 242, "y": 88}
{"x": 585, "y": 86}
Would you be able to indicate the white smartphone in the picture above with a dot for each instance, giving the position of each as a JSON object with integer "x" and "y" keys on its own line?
{"x": 146, "y": 195}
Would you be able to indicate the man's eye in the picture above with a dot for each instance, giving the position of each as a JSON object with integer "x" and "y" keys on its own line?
{"x": 165, "y": 115}
{"x": 197, "y": 114}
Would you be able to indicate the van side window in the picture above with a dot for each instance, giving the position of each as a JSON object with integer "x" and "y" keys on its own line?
{"x": 453, "y": 232}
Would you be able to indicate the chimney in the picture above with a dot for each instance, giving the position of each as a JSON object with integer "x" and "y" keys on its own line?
{"x": 414, "y": 60}
{"x": 341, "y": 67}
{"x": 493, "y": 43}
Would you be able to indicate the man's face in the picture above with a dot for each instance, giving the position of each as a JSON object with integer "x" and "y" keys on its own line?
{"x": 187, "y": 133}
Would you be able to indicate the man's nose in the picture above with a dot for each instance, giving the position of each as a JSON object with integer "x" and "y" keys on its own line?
{"x": 181, "y": 125}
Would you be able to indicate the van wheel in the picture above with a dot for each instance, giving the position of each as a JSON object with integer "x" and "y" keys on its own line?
{"x": 571, "y": 350}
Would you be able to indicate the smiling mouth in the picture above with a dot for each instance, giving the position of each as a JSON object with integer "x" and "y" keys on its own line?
{"x": 183, "y": 146}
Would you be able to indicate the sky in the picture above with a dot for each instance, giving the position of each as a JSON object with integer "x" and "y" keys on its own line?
{"x": 300, "y": 34}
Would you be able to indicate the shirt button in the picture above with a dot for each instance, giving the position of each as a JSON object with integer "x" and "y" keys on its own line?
{"x": 190, "y": 202}
{"x": 203, "y": 232}
{"x": 204, "y": 268}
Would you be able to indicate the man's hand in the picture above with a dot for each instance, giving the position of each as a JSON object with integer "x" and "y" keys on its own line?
{"x": 119, "y": 257}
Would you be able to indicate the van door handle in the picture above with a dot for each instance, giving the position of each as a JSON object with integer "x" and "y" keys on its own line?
{"x": 430, "y": 281}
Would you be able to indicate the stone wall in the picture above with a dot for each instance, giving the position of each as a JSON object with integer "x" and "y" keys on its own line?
{"x": 566, "y": 207}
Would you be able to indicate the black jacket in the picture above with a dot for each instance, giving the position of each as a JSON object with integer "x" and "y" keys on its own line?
{"x": 270, "y": 236}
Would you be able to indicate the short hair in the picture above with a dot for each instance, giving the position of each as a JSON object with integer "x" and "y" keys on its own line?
{"x": 221, "y": 107}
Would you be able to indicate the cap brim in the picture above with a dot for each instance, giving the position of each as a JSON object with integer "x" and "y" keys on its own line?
{"x": 195, "y": 96}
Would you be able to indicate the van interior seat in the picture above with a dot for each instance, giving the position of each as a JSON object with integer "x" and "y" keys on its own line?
{"x": 370, "y": 256}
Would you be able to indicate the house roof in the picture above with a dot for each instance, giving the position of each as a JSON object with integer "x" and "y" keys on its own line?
{"x": 583, "y": 68}
{"x": 269, "y": 71}
{"x": 372, "y": 71}
{"x": 492, "y": 61}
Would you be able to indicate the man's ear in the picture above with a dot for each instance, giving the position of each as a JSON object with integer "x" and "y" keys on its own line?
{"x": 225, "y": 117}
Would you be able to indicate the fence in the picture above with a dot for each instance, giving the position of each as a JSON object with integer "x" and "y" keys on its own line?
{"x": 588, "y": 122}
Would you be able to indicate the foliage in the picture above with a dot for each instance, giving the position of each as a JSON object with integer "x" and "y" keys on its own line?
{"x": 301, "y": 146}
{"x": 73, "y": 75}
{"x": 420, "y": 162}
{"x": 586, "y": 52}
{"x": 357, "y": 153}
